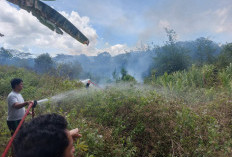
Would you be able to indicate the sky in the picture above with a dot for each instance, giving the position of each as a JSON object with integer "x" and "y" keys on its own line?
{"x": 116, "y": 26}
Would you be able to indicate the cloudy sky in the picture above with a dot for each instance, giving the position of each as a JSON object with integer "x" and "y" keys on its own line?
{"x": 116, "y": 26}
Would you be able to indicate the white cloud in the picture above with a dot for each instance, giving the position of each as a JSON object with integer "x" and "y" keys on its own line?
{"x": 115, "y": 49}
{"x": 22, "y": 30}
{"x": 129, "y": 21}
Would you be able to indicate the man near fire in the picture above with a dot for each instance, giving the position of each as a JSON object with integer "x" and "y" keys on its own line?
{"x": 16, "y": 105}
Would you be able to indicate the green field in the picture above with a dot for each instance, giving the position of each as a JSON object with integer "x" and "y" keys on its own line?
{"x": 185, "y": 113}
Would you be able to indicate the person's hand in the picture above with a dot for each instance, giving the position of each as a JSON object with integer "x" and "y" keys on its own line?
{"x": 75, "y": 133}
{"x": 28, "y": 102}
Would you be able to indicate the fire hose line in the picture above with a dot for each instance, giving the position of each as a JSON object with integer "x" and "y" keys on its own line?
{"x": 31, "y": 105}
{"x": 95, "y": 84}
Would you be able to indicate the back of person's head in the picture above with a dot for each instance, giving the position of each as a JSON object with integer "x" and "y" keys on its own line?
{"x": 15, "y": 81}
{"x": 44, "y": 136}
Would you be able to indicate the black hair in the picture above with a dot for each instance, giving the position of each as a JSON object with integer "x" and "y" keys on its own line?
{"x": 15, "y": 81}
{"x": 44, "y": 136}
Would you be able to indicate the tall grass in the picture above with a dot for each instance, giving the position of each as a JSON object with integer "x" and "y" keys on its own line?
{"x": 141, "y": 121}
{"x": 206, "y": 77}
{"x": 186, "y": 113}
{"x": 35, "y": 87}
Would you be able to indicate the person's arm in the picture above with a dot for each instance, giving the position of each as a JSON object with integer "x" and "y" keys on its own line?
{"x": 21, "y": 105}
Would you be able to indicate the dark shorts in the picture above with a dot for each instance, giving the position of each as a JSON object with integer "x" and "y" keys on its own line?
{"x": 12, "y": 125}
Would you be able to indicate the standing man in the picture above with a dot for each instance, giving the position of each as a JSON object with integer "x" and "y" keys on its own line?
{"x": 87, "y": 84}
{"x": 16, "y": 105}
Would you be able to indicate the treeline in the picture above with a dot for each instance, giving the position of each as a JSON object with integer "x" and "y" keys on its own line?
{"x": 43, "y": 64}
{"x": 142, "y": 64}
{"x": 177, "y": 69}
{"x": 176, "y": 56}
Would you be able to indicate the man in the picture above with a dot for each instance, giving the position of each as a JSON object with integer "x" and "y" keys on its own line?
{"x": 87, "y": 84}
{"x": 45, "y": 136}
{"x": 16, "y": 105}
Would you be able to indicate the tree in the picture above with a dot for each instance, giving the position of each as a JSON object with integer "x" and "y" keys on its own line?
{"x": 123, "y": 73}
{"x": 171, "y": 57}
{"x": 5, "y": 53}
{"x": 43, "y": 63}
{"x": 126, "y": 77}
{"x": 71, "y": 70}
{"x": 205, "y": 51}
{"x": 225, "y": 57}
{"x": 5, "y": 56}
{"x": 172, "y": 36}
{"x": 115, "y": 75}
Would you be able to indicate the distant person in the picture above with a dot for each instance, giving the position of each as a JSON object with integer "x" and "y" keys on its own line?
{"x": 16, "y": 105}
{"x": 87, "y": 84}
{"x": 45, "y": 136}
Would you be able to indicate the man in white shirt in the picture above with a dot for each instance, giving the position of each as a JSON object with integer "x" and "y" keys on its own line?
{"x": 16, "y": 105}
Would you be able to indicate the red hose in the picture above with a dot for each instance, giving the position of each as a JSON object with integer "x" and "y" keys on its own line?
{"x": 17, "y": 130}
{"x": 95, "y": 84}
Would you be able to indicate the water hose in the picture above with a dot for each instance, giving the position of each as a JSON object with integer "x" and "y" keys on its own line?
{"x": 31, "y": 105}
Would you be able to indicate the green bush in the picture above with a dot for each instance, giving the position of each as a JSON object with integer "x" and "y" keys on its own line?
{"x": 207, "y": 76}
{"x": 186, "y": 113}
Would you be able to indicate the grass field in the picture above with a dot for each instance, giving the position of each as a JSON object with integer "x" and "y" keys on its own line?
{"x": 184, "y": 114}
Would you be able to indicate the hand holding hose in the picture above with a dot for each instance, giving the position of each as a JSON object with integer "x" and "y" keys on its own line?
{"x": 28, "y": 102}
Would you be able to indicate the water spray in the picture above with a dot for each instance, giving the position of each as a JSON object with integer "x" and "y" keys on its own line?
{"x": 32, "y": 105}
{"x": 56, "y": 98}
{"x": 42, "y": 101}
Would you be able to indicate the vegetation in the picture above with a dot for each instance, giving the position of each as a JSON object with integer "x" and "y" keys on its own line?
{"x": 43, "y": 63}
{"x": 35, "y": 87}
{"x": 176, "y": 56}
{"x": 208, "y": 76}
{"x": 225, "y": 56}
{"x": 172, "y": 56}
{"x": 183, "y": 108}
{"x": 125, "y": 77}
{"x": 186, "y": 113}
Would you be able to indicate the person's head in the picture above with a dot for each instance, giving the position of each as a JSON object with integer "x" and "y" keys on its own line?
{"x": 44, "y": 136}
{"x": 17, "y": 84}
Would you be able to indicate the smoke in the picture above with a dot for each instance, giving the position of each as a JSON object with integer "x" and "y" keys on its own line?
{"x": 100, "y": 68}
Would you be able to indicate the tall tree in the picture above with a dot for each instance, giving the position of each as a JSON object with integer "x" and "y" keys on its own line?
{"x": 126, "y": 77}
{"x": 225, "y": 57}
{"x": 5, "y": 53}
{"x": 205, "y": 51}
{"x": 43, "y": 63}
{"x": 171, "y": 57}
{"x": 71, "y": 70}
{"x": 5, "y": 56}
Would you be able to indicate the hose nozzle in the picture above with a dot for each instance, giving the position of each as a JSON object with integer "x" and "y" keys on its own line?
{"x": 35, "y": 103}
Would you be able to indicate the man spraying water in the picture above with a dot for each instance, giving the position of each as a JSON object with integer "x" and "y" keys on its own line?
{"x": 45, "y": 136}
{"x": 16, "y": 105}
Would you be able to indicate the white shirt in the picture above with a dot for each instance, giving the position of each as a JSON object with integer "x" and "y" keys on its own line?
{"x": 13, "y": 113}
